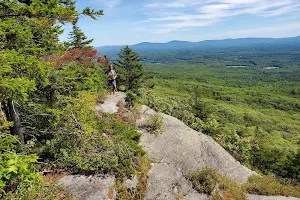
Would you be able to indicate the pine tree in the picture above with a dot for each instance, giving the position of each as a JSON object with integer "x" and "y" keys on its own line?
{"x": 129, "y": 69}
{"x": 78, "y": 39}
{"x": 29, "y": 30}
{"x": 39, "y": 83}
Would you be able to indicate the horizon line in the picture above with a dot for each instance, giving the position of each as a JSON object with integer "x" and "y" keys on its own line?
{"x": 116, "y": 45}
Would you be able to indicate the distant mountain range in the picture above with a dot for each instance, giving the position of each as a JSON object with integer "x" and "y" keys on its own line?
{"x": 291, "y": 43}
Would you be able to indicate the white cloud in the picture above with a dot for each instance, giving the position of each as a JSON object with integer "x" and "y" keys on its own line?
{"x": 139, "y": 29}
{"x": 183, "y": 14}
{"x": 173, "y": 4}
{"x": 110, "y": 3}
{"x": 288, "y": 30}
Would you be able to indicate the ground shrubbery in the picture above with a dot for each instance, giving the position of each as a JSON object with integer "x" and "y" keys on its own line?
{"x": 123, "y": 192}
{"x": 210, "y": 182}
{"x": 268, "y": 185}
{"x": 154, "y": 124}
{"x": 93, "y": 144}
{"x": 130, "y": 99}
{"x": 38, "y": 189}
{"x": 19, "y": 177}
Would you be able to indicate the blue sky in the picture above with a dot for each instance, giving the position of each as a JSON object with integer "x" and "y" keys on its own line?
{"x": 134, "y": 21}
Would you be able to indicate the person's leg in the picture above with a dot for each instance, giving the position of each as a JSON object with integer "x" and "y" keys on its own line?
{"x": 111, "y": 84}
{"x": 114, "y": 87}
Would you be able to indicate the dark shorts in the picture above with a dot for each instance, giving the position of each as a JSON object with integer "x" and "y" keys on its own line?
{"x": 113, "y": 83}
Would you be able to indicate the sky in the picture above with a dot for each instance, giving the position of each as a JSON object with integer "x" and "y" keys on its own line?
{"x": 127, "y": 22}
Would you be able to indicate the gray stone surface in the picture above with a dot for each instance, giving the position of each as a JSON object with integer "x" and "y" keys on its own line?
{"x": 179, "y": 150}
{"x": 186, "y": 149}
{"x": 174, "y": 153}
{"x": 131, "y": 183}
{"x": 99, "y": 187}
{"x": 165, "y": 182}
{"x": 110, "y": 104}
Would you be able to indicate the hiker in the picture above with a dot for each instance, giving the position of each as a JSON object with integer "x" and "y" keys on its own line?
{"x": 112, "y": 79}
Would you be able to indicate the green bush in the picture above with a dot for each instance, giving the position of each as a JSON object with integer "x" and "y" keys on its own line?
{"x": 112, "y": 147}
{"x": 38, "y": 189}
{"x": 268, "y": 185}
{"x": 122, "y": 88}
{"x": 204, "y": 181}
{"x": 210, "y": 182}
{"x": 154, "y": 124}
{"x": 19, "y": 178}
{"x": 130, "y": 99}
{"x": 123, "y": 192}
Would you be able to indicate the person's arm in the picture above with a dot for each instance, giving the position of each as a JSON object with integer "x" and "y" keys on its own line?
{"x": 115, "y": 76}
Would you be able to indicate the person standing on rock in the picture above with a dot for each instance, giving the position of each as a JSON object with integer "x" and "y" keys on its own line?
{"x": 112, "y": 79}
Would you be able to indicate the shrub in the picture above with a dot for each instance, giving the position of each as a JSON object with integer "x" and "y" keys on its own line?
{"x": 204, "y": 181}
{"x": 38, "y": 190}
{"x": 130, "y": 99}
{"x": 123, "y": 192}
{"x": 268, "y": 185}
{"x": 18, "y": 176}
{"x": 126, "y": 115}
{"x": 210, "y": 182}
{"x": 154, "y": 124}
{"x": 112, "y": 148}
{"x": 101, "y": 96}
{"x": 122, "y": 88}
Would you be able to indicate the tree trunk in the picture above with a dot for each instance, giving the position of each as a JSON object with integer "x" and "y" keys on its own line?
{"x": 15, "y": 117}
{"x": 2, "y": 114}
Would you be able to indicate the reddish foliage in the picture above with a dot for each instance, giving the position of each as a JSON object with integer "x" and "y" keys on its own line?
{"x": 84, "y": 56}
{"x": 103, "y": 61}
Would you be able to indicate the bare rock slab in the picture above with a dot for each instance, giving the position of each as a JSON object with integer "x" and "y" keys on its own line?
{"x": 166, "y": 182}
{"x": 99, "y": 187}
{"x": 110, "y": 104}
{"x": 176, "y": 152}
{"x": 188, "y": 150}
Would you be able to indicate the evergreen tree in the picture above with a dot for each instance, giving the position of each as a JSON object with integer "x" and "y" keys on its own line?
{"x": 38, "y": 79}
{"x": 28, "y": 32}
{"x": 78, "y": 39}
{"x": 129, "y": 68}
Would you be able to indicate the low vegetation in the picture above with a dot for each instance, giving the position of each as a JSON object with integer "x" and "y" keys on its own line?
{"x": 137, "y": 193}
{"x": 18, "y": 174}
{"x": 130, "y": 99}
{"x": 268, "y": 185}
{"x": 210, "y": 182}
{"x": 154, "y": 124}
{"x": 95, "y": 145}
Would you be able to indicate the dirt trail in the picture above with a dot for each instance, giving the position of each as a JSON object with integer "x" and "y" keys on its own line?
{"x": 110, "y": 104}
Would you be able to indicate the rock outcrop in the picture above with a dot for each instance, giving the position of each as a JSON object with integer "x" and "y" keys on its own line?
{"x": 179, "y": 150}
{"x": 174, "y": 153}
{"x": 98, "y": 187}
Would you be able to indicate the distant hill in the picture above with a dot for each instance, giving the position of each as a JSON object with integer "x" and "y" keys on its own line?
{"x": 290, "y": 43}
